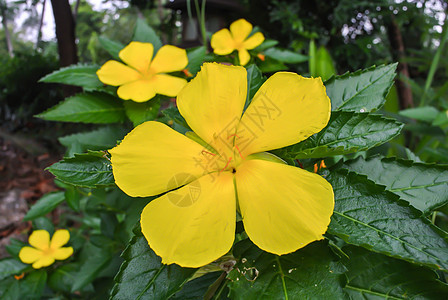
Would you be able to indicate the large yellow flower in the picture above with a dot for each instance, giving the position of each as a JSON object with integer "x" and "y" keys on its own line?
{"x": 45, "y": 252}
{"x": 225, "y": 42}
{"x": 283, "y": 207}
{"x": 144, "y": 77}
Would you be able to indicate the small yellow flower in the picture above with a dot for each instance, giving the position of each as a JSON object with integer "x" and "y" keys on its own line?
{"x": 225, "y": 42}
{"x": 45, "y": 252}
{"x": 143, "y": 77}
{"x": 223, "y": 167}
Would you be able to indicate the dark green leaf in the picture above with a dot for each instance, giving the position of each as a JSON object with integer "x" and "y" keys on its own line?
{"x": 98, "y": 108}
{"x": 14, "y": 247}
{"x": 285, "y": 56}
{"x": 324, "y": 64}
{"x": 31, "y": 287}
{"x": 270, "y": 65}
{"x": 346, "y": 132}
{"x": 375, "y": 276}
{"x": 366, "y": 215}
{"x": 63, "y": 277}
{"x": 195, "y": 59}
{"x": 266, "y": 44}
{"x": 112, "y": 47}
{"x": 173, "y": 114}
{"x": 309, "y": 273}
{"x": 361, "y": 91}
{"x": 254, "y": 80}
{"x": 426, "y": 113}
{"x": 196, "y": 288}
{"x": 79, "y": 75}
{"x": 139, "y": 113}
{"x": 85, "y": 170}
{"x": 43, "y": 223}
{"x": 44, "y": 205}
{"x": 144, "y": 33}
{"x": 143, "y": 276}
{"x": 11, "y": 266}
{"x": 424, "y": 186}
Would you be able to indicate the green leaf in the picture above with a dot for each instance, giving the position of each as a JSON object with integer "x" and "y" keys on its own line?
{"x": 425, "y": 113}
{"x": 309, "y": 273}
{"x": 31, "y": 287}
{"x": 112, "y": 47}
{"x": 173, "y": 114}
{"x": 254, "y": 80}
{"x": 144, "y": 33}
{"x": 139, "y": 113}
{"x": 198, "y": 287}
{"x": 143, "y": 276}
{"x": 361, "y": 91}
{"x": 375, "y": 276}
{"x": 79, "y": 75}
{"x": 85, "y": 170}
{"x": 346, "y": 132}
{"x": 324, "y": 64}
{"x": 44, "y": 205}
{"x": 11, "y": 266}
{"x": 266, "y": 44}
{"x": 441, "y": 118}
{"x": 63, "y": 277}
{"x": 100, "y": 139}
{"x": 97, "y": 108}
{"x": 424, "y": 186}
{"x": 285, "y": 56}
{"x": 366, "y": 215}
{"x": 195, "y": 59}
{"x": 270, "y": 65}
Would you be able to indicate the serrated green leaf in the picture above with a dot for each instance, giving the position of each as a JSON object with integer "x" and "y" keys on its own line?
{"x": 361, "y": 91}
{"x": 139, "y": 113}
{"x": 197, "y": 288}
{"x": 11, "y": 266}
{"x": 424, "y": 186}
{"x": 100, "y": 139}
{"x": 85, "y": 170}
{"x": 346, "y": 132}
{"x": 143, "y": 276}
{"x": 144, "y": 33}
{"x": 254, "y": 80}
{"x": 426, "y": 113}
{"x": 366, "y": 215}
{"x": 96, "y": 108}
{"x": 195, "y": 59}
{"x": 79, "y": 75}
{"x": 309, "y": 273}
{"x": 44, "y": 205}
{"x": 375, "y": 276}
{"x": 112, "y": 47}
{"x": 285, "y": 56}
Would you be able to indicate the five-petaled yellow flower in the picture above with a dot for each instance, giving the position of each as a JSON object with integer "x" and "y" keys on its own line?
{"x": 45, "y": 252}
{"x": 283, "y": 208}
{"x": 144, "y": 77}
{"x": 225, "y": 42}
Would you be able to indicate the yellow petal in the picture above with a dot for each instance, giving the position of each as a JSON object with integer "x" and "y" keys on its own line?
{"x": 287, "y": 109}
{"x": 40, "y": 239}
{"x": 137, "y": 55}
{"x": 154, "y": 158}
{"x": 195, "y": 224}
{"x": 284, "y": 208}
{"x": 240, "y": 30}
{"x": 243, "y": 56}
{"x": 254, "y": 41}
{"x": 169, "y": 59}
{"x": 222, "y": 42}
{"x": 140, "y": 91}
{"x": 168, "y": 85}
{"x": 62, "y": 253}
{"x": 212, "y": 103}
{"x": 115, "y": 73}
{"x": 59, "y": 238}
{"x": 44, "y": 261}
{"x": 29, "y": 255}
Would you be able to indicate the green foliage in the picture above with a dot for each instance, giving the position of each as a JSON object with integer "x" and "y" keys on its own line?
{"x": 143, "y": 276}
{"x": 79, "y": 75}
{"x": 142, "y": 112}
{"x": 144, "y": 33}
{"x": 10, "y": 266}
{"x": 98, "y": 108}
{"x": 285, "y": 56}
{"x": 112, "y": 47}
{"x": 44, "y": 205}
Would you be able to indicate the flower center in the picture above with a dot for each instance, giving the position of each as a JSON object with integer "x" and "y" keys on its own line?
{"x": 148, "y": 74}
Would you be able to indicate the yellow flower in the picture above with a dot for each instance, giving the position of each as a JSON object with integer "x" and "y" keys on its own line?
{"x": 144, "y": 77}
{"x": 225, "y": 42}
{"x": 283, "y": 207}
{"x": 45, "y": 252}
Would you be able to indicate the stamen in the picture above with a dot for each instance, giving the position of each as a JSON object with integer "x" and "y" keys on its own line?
{"x": 236, "y": 146}
{"x": 233, "y": 135}
{"x": 315, "y": 168}
{"x": 212, "y": 154}
{"x": 300, "y": 164}
{"x": 228, "y": 162}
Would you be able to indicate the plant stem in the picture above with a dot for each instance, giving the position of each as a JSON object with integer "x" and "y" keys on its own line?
{"x": 200, "y": 13}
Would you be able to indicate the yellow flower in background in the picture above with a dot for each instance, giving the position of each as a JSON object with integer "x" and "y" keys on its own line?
{"x": 283, "y": 207}
{"x": 143, "y": 77}
{"x": 44, "y": 252}
{"x": 225, "y": 42}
